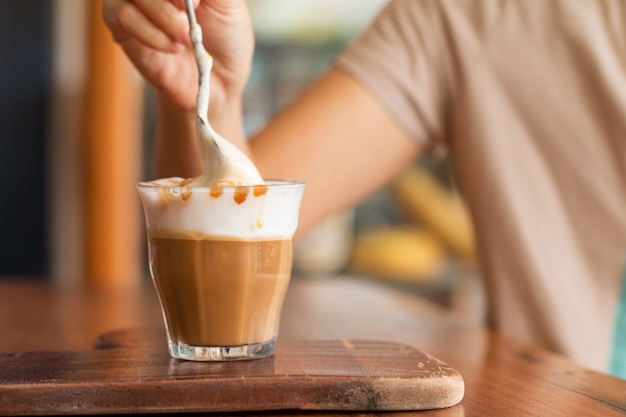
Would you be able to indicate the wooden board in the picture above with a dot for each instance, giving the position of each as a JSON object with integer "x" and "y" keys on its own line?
{"x": 131, "y": 372}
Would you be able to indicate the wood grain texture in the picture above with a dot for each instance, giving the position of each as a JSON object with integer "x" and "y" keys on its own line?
{"x": 315, "y": 375}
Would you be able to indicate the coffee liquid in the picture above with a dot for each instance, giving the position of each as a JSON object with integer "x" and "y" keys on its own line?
{"x": 218, "y": 291}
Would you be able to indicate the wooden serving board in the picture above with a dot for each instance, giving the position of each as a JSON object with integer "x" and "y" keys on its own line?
{"x": 314, "y": 375}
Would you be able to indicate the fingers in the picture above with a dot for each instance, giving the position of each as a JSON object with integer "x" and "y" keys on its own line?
{"x": 165, "y": 15}
{"x": 158, "y": 24}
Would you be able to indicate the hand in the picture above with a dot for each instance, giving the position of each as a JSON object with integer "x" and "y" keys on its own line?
{"x": 155, "y": 36}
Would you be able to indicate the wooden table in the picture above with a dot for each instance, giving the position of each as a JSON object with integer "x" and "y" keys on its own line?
{"x": 503, "y": 377}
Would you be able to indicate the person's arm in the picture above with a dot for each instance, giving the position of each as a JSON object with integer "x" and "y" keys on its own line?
{"x": 338, "y": 139}
{"x": 175, "y": 150}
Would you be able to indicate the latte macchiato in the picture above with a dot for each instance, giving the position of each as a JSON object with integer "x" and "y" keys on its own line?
{"x": 220, "y": 259}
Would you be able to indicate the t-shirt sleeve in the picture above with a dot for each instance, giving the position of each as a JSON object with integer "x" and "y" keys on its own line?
{"x": 398, "y": 59}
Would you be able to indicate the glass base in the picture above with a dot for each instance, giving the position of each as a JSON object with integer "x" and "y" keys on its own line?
{"x": 221, "y": 353}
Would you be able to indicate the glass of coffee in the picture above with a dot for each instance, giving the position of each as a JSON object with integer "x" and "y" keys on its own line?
{"x": 220, "y": 259}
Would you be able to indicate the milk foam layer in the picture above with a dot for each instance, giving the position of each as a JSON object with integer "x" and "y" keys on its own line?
{"x": 268, "y": 210}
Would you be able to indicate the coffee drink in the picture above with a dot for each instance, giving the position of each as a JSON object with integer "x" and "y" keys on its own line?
{"x": 220, "y": 259}
{"x": 221, "y": 292}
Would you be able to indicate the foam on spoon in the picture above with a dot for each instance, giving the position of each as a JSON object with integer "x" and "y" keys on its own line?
{"x": 224, "y": 163}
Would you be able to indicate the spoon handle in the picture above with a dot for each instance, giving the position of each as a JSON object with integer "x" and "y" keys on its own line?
{"x": 204, "y": 61}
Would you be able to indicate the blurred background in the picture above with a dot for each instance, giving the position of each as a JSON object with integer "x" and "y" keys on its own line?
{"x": 76, "y": 124}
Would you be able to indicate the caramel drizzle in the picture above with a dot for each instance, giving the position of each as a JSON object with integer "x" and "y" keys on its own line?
{"x": 166, "y": 194}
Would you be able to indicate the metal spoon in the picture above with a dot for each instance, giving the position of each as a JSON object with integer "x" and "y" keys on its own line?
{"x": 222, "y": 160}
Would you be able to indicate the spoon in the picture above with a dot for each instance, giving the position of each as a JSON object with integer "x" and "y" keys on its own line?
{"x": 224, "y": 163}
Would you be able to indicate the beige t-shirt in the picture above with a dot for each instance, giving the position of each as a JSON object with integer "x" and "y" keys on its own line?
{"x": 529, "y": 97}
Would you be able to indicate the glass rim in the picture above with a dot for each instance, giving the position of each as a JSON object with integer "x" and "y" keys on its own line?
{"x": 270, "y": 183}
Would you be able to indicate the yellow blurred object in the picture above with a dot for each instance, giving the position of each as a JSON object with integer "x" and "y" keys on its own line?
{"x": 442, "y": 211}
{"x": 399, "y": 254}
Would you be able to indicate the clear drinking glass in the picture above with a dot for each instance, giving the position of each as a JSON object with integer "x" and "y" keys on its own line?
{"x": 221, "y": 259}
